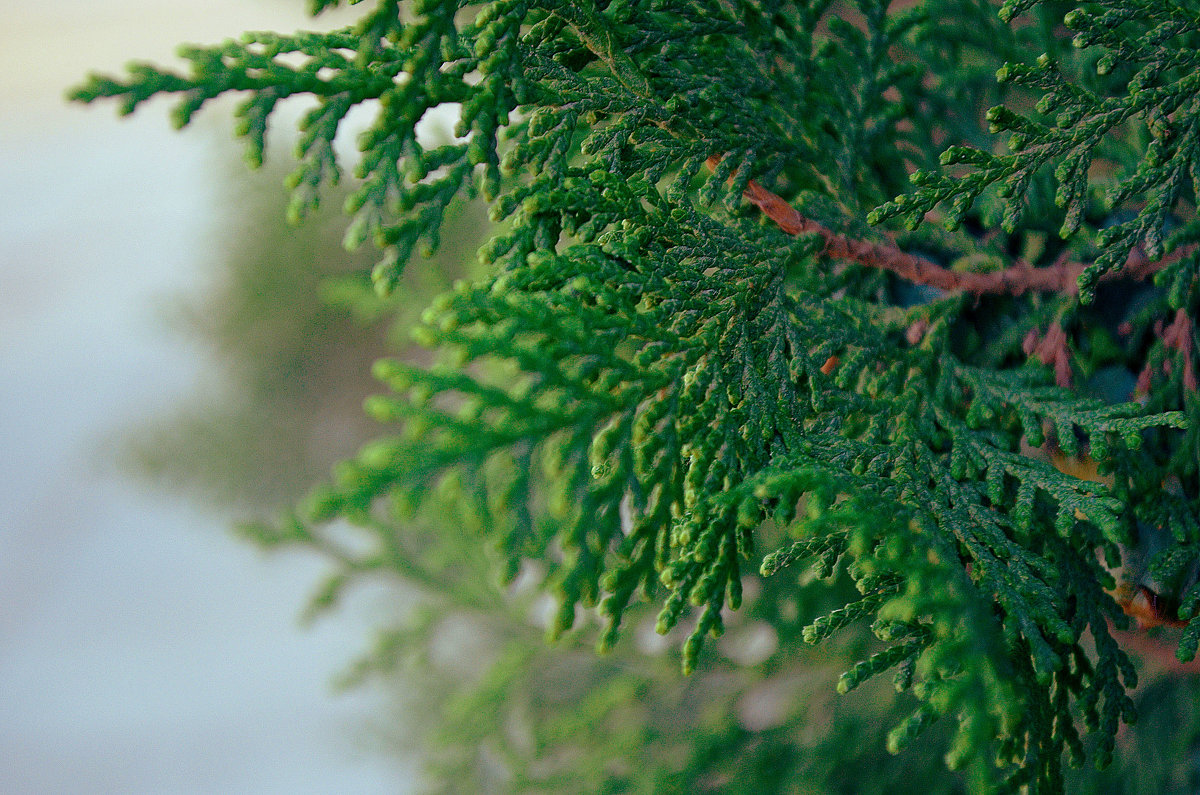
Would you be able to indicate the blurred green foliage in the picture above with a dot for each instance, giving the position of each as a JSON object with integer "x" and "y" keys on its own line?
{"x": 291, "y": 327}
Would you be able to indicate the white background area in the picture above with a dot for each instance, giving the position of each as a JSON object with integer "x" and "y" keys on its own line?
{"x": 143, "y": 649}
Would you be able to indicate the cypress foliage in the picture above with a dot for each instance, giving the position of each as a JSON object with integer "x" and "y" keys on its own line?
{"x": 723, "y": 336}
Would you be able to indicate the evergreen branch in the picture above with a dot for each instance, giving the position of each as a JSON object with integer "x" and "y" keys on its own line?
{"x": 649, "y": 388}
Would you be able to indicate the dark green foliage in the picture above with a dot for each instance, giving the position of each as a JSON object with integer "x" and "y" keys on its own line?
{"x": 1125, "y": 108}
{"x": 652, "y": 389}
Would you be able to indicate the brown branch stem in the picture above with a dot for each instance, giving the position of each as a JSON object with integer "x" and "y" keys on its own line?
{"x": 1018, "y": 278}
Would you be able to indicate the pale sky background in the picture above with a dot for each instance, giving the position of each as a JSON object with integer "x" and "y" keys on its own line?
{"x": 142, "y": 648}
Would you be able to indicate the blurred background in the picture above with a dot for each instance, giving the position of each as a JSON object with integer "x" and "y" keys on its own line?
{"x": 143, "y": 648}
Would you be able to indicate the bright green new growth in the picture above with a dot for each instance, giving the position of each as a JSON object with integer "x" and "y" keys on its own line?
{"x": 652, "y": 377}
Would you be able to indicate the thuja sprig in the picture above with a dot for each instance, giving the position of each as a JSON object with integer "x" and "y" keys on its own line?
{"x": 649, "y": 382}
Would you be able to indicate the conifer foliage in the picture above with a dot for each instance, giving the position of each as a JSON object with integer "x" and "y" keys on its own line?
{"x": 703, "y": 354}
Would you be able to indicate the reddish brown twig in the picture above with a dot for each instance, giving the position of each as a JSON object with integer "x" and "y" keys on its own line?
{"x": 1178, "y": 337}
{"x": 1051, "y": 349}
{"x": 1158, "y": 653}
{"x": 1021, "y": 277}
{"x": 1175, "y": 337}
